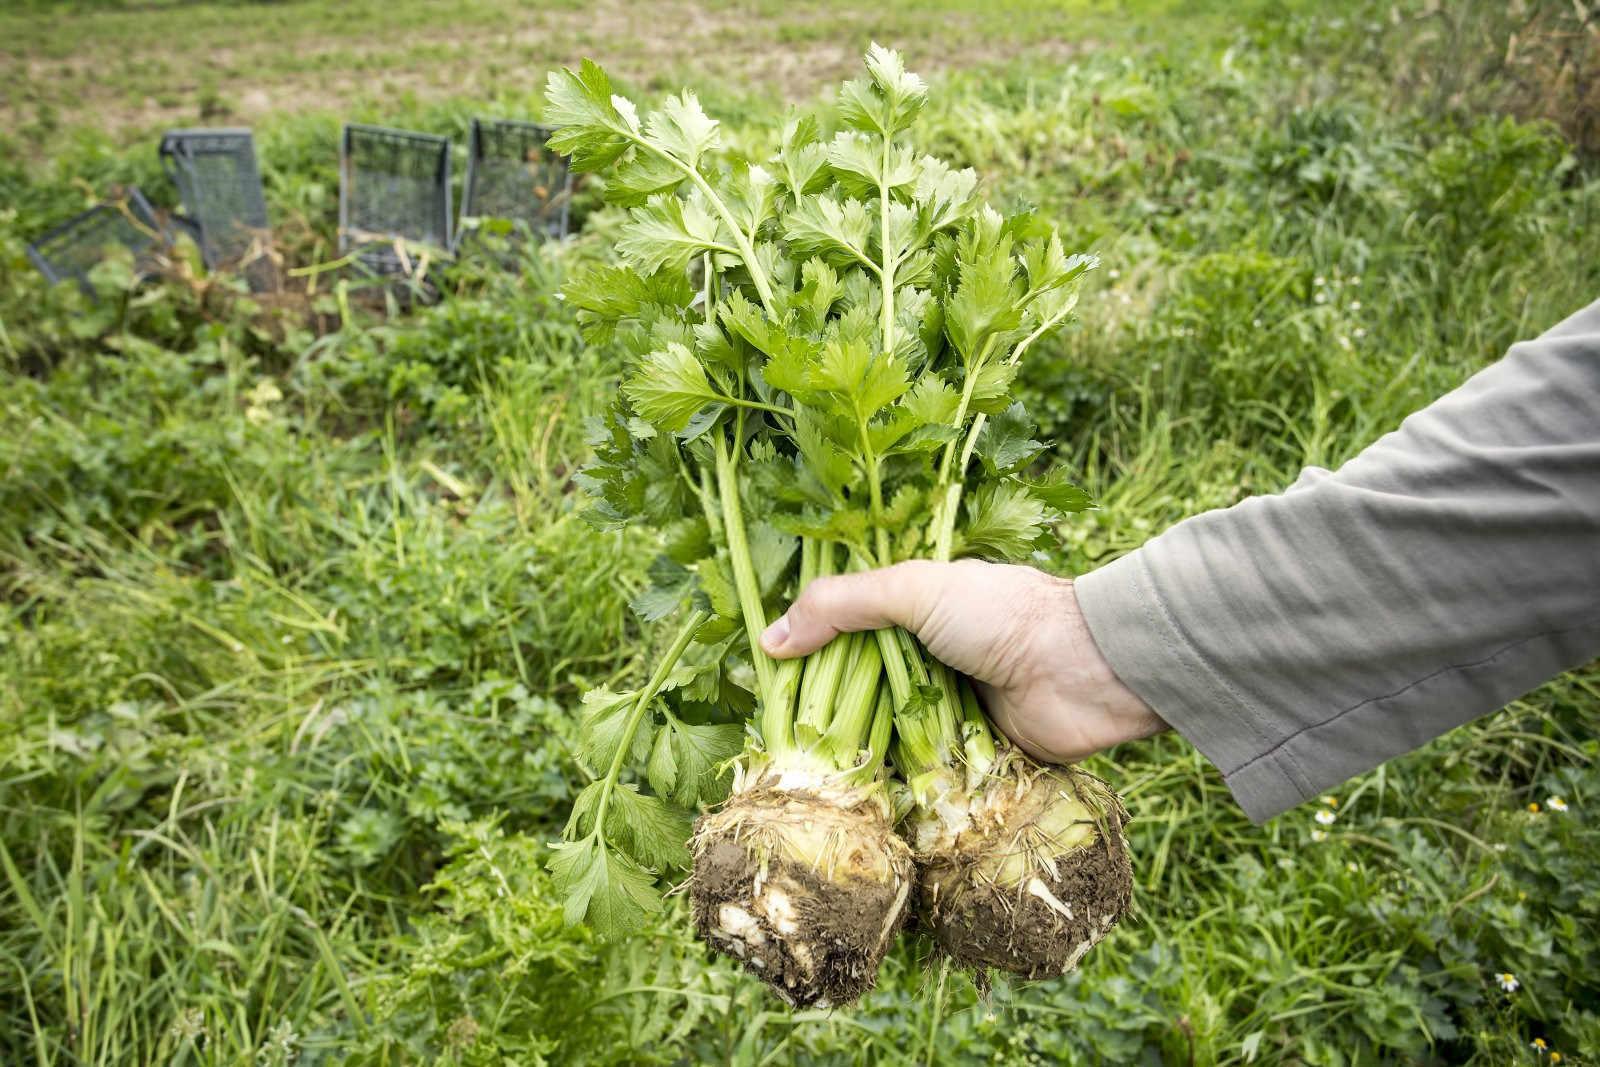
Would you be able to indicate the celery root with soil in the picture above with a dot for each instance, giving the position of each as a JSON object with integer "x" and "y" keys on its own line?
{"x": 819, "y": 351}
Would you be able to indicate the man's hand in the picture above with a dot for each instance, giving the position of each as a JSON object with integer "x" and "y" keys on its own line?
{"x": 1015, "y": 631}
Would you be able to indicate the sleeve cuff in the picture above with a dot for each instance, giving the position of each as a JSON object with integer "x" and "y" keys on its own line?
{"x": 1148, "y": 650}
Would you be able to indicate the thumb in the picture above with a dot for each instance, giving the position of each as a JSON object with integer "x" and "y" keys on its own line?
{"x": 901, "y": 595}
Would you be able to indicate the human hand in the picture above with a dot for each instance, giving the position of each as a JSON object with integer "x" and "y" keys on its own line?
{"x": 1016, "y": 631}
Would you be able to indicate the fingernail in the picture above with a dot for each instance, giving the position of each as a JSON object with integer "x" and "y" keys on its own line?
{"x": 776, "y": 634}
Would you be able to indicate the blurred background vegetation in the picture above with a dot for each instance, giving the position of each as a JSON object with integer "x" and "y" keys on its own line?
{"x": 297, "y": 602}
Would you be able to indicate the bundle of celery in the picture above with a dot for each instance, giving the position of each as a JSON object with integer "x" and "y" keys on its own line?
{"x": 820, "y": 353}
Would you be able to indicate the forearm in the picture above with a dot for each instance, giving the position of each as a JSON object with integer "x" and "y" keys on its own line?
{"x": 1302, "y": 638}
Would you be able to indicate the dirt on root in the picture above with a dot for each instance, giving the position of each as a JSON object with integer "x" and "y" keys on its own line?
{"x": 824, "y": 943}
{"x": 1013, "y": 925}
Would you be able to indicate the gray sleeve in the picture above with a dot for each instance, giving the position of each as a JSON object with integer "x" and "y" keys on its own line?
{"x": 1303, "y": 638}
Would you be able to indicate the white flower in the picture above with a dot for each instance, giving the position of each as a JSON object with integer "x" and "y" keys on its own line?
{"x": 1344, "y": 342}
{"x": 1319, "y": 835}
{"x": 1115, "y": 274}
{"x": 1332, "y": 802}
{"x": 1508, "y": 981}
{"x": 1355, "y": 305}
{"x": 1352, "y": 867}
{"x": 1355, "y": 279}
{"x": 1256, "y": 323}
{"x": 1360, "y": 332}
{"x": 1555, "y": 803}
{"x": 1319, "y": 280}
{"x": 1326, "y": 817}
{"x": 1321, "y": 297}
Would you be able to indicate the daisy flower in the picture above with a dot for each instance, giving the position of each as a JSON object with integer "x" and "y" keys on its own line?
{"x": 1555, "y": 803}
{"x": 1508, "y": 981}
{"x": 1326, "y": 817}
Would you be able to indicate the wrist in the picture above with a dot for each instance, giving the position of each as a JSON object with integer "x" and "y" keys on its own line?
{"x": 1127, "y": 713}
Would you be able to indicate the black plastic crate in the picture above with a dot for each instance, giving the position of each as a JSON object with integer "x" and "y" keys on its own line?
{"x": 394, "y": 189}
{"x": 219, "y": 183}
{"x": 513, "y": 174}
{"x": 68, "y": 251}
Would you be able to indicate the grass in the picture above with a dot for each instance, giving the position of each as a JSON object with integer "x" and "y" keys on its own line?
{"x": 295, "y": 619}
{"x": 131, "y": 70}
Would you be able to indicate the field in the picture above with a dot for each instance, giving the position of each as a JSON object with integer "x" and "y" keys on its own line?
{"x": 298, "y": 600}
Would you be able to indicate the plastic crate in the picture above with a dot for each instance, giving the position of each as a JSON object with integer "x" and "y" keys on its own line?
{"x": 220, "y": 185}
{"x": 68, "y": 251}
{"x": 394, "y": 192}
{"x": 513, "y": 174}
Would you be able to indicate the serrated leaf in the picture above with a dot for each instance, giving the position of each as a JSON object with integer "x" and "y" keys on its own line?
{"x": 991, "y": 388}
{"x": 689, "y": 755}
{"x": 771, "y": 551}
{"x": 749, "y": 193}
{"x": 819, "y": 291}
{"x": 822, "y": 225}
{"x": 662, "y": 770}
{"x": 821, "y": 456}
{"x": 605, "y": 296}
{"x": 686, "y": 540}
{"x": 944, "y": 196}
{"x": 640, "y": 177}
{"x": 802, "y": 162}
{"x": 717, "y": 585}
{"x": 602, "y": 888}
{"x": 932, "y": 400}
{"x": 669, "y": 388}
{"x": 846, "y": 525}
{"x": 670, "y": 584}
{"x": 588, "y": 126}
{"x": 1003, "y": 521}
{"x": 604, "y": 728}
{"x": 681, "y": 128}
{"x": 988, "y": 297}
{"x": 859, "y": 162}
{"x": 1006, "y": 440}
{"x": 889, "y": 101}
{"x": 1056, "y": 492}
{"x": 747, "y": 321}
{"x": 899, "y": 236}
{"x": 668, "y": 231}
{"x": 903, "y": 508}
{"x": 648, "y": 828}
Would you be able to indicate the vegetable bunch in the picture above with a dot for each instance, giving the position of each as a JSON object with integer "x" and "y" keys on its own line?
{"x": 820, "y": 351}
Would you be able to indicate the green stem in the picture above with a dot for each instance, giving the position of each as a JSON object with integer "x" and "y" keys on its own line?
{"x": 944, "y": 536}
{"x": 776, "y": 727}
{"x": 879, "y": 738}
{"x": 977, "y": 738}
{"x": 858, "y": 698}
{"x": 641, "y": 706}
{"x": 755, "y": 404}
{"x": 886, "y": 275}
{"x": 744, "y": 250}
{"x": 823, "y": 668}
{"x": 708, "y": 503}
